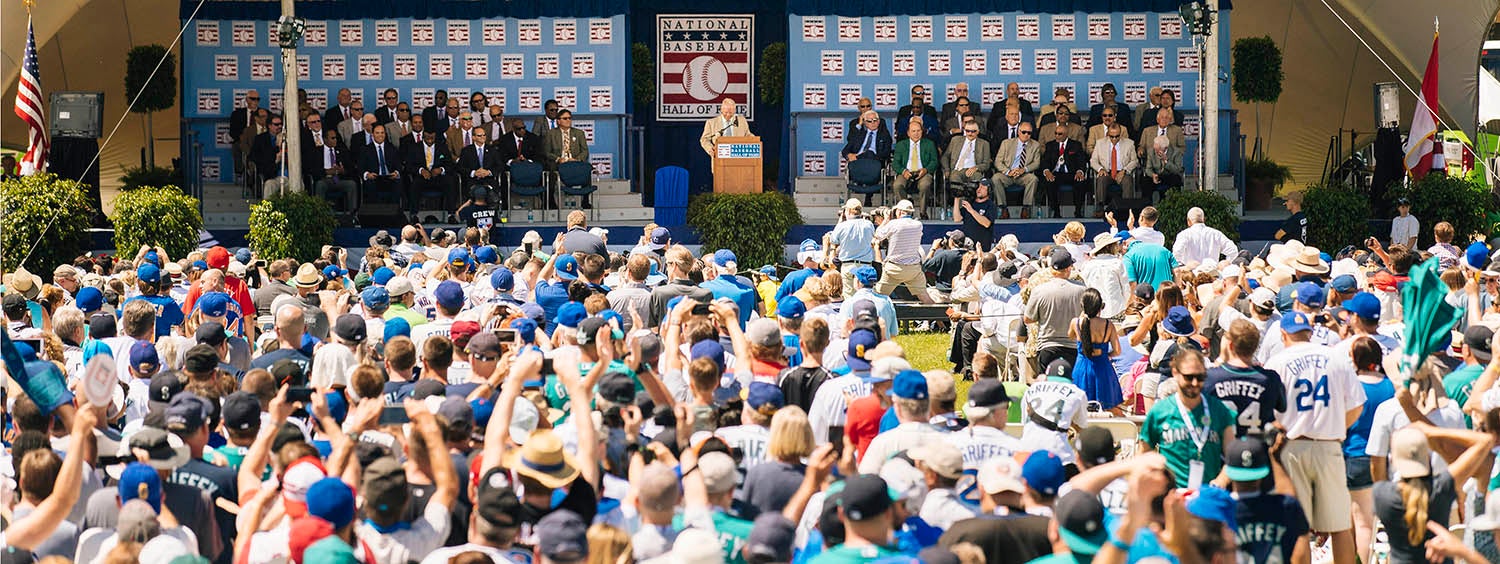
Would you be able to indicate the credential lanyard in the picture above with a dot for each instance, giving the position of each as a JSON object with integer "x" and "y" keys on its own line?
{"x": 1198, "y": 434}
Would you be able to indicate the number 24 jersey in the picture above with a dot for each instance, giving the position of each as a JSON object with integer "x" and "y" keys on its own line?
{"x": 1321, "y": 386}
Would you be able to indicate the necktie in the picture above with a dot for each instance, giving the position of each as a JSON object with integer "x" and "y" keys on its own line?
{"x": 380, "y": 156}
{"x": 467, "y": 142}
{"x": 518, "y": 145}
{"x": 567, "y": 145}
{"x": 1114, "y": 159}
{"x": 329, "y": 158}
{"x": 1012, "y": 132}
{"x": 914, "y": 162}
{"x": 428, "y": 151}
{"x": 869, "y": 142}
{"x": 1020, "y": 150}
{"x": 317, "y": 138}
{"x": 966, "y": 155}
{"x": 1062, "y": 155}
{"x": 551, "y": 122}
{"x": 346, "y": 111}
{"x": 1161, "y": 132}
{"x": 479, "y": 152}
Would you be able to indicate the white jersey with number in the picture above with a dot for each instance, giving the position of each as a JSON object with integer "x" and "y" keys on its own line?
{"x": 1061, "y": 403}
{"x": 1321, "y": 387}
{"x": 829, "y": 405}
{"x": 750, "y": 439}
{"x": 979, "y": 443}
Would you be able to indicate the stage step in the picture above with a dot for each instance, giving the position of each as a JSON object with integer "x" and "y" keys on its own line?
{"x": 820, "y": 185}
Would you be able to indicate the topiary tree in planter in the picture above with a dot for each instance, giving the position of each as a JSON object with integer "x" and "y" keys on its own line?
{"x": 1337, "y": 215}
{"x": 754, "y": 226}
{"x": 159, "y": 217}
{"x": 1218, "y": 212}
{"x": 48, "y": 212}
{"x": 643, "y": 74}
{"x": 771, "y": 74}
{"x": 295, "y": 225}
{"x": 151, "y": 93}
{"x": 1257, "y": 80}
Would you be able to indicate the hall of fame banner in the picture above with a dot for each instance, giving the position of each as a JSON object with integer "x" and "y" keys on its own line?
{"x": 703, "y": 60}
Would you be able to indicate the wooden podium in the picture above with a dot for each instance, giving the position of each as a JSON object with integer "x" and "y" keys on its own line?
{"x": 737, "y": 165}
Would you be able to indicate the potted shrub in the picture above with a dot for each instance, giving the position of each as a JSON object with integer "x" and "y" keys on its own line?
{"x": 1262, "y": 178}
{"x": 1257, "y": 79}
{"x": 152, "y": 83}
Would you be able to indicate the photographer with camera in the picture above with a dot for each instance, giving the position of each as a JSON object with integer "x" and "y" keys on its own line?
{"x": 976, "y": 211}
{"x": 852, "y": 242}
{"x": 948, "y": 258}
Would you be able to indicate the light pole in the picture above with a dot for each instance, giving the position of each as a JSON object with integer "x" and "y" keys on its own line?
{"x": 1200, "y": 19}
{"x": 288, "y": 33}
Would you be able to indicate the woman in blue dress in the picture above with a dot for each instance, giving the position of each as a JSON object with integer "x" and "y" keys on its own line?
{"x": 1097, "y": 343}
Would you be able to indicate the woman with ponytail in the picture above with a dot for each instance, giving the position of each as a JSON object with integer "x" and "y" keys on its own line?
{"x": 1418, "y": 493}
{"x": 1097, "y": 343}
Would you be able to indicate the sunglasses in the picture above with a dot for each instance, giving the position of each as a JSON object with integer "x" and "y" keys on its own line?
{"x": 276, "y": 123}
{"x": 464, "y": 119}
{"x": 1114, "y": 137}
{"x": 569, "y": 118}
{"x": 1109, "y": 115}
{"x": 1024, "y": 132}
{"x": 864, "y": 106}
{"x": 971, "y": 131}
{"x": 403, "y": 109}
{"x": 1060, "y": 133}
{"x": 252, "y": 97}
{"x": 1193, "y": 376}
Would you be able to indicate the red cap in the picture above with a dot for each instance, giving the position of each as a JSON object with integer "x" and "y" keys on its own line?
{"x": 304, "y": 532}
{"x": 217, "y": 257}
{"x": 462, "y": 331}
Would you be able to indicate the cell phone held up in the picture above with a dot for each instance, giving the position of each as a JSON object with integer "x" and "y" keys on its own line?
{"x": 393, "y": 415}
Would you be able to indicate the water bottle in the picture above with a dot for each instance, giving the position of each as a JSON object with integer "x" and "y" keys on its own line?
{"x": 530, "y": 216}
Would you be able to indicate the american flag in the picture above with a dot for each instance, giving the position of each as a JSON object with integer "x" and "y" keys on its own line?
{"x": 29, "y": 106}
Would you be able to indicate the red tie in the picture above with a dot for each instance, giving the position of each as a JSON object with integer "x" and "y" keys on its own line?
{"x": 1114, "y": 161}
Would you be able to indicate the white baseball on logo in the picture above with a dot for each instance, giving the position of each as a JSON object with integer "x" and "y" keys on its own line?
{"x": 705, "y": 78}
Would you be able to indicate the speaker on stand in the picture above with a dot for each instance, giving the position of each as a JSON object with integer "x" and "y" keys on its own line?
{"x": 1389, "y": 162}
{"x": 75, "y": 121}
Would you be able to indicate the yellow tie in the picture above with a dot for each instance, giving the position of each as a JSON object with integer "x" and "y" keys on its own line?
{"x": 429, "y": 156}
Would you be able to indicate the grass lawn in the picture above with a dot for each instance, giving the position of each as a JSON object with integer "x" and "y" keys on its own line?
{"x": 929, "y": 351}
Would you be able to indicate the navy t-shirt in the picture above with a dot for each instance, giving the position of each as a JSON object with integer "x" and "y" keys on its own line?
{"x": 1255, "y": 393}
{"x": 551, "y": 296}
{"x": 266, "y": 360}
{"x": 168, "y": 312}
{"x": 1269, "y": 526}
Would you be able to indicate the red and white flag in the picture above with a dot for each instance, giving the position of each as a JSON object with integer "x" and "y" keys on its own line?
{"x": 29, "y": 107}
{"x": 1421, "y": 148}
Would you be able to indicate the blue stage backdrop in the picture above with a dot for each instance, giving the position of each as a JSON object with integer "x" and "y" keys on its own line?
{"x": 838, "y": 59}
{"x": 519, "y": 63}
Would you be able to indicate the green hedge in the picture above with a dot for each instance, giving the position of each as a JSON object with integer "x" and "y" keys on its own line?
{"x": 1337, "y": 215}
{"x": 1219, "y": 212}
{"x": 1464, "y": 202}
{"x": 754, "y": 226}
{"x": 295, "y": 225}
{"x": 139, "y": 176}
{"x": 27, "y": 204}
{"x": 159, "y": 217}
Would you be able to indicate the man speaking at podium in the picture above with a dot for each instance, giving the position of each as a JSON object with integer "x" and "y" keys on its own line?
{"x": 727, "y": 123}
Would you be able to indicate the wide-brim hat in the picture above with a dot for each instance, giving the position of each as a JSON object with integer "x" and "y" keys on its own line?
{"x": 1105, "y": 239}
{"x": 307, "y": 275}
{"x": 1282, "y": 254}
{"x": 144, "y": 446}
{"x": 543, "y": 459}
{"x": 1309, "y": 260}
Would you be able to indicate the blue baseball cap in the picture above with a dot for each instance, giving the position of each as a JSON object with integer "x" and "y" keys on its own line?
{"x": 861, "y": 341}
{"x": 566, "y": 267}
{"x": 1043, "y": 472}
{"x": 382, "y": 275}
{"x": 333, "y": 271}
{"x": 909, "y": 384}
{"x": 791, "y": 307}
{"x": 1295, "y": 321}
{"x": 502, "y": 279}
{"x": 460, "y": 257}
{"x": 660, "y": 237}
{"x": 761, "y": 394}
{"x": 143, "y": 358}
{"x": 526, "y": 328}
{"x": 808, "y": 245}
{"x": 708, "y": 348}
{"x": 570, "y": 314}
{"x": 395, "y": 327}
{"x": 1344, "y": 283}
{"x": 866, "y": 275}
{"x": 1363, "y": 305}
{"x": 449, "y": 295}
{"x": 1477, "y": 255}
{"x": 331, "y": 500}
{"x": 214, "y": 304}
{"x": 140, "y": 481}
{"x": 242, "y": 255}
{"x": 153, "y": 258}
{"x": 200, "y": 265}
{"x": 1214, "y": 504}
{"x": 1309, "y": 294}
{"x": 89, "y": 299}
{"x": 486, "y": 255}
{"x": 769, "y": 271}
{"x": 375, "y": 297}
{"x": 723, "y": 257}
{"x": 534, "y": 312}
{"x": 148, "y": 273}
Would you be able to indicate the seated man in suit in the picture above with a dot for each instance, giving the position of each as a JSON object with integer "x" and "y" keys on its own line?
{"x": 240, "y": 121}
{"x": 960, "y": 90}
{"x": 915, "y": 161}
{"x": 1107, "y": 96}
{"x": 480, "y": 163}
{"x": 381, "y": 166}
{"x": 428, "y": 169}
{"x": 1169, "y": 102}
{"x": 1008, "y": 127}
{"x": 1012, "y": 99}
{"x": 461, "y": 134}
{"x": 1162, "y": 127}
{"x": 267, "y": 152}
{"x": 967, "y": 159}
{"x": 518, "y": 144}
{"x": 871, "y": 141}
{"x": 1021, "y": 157}
{"x": 1145, "y": 112}
{"x": 1064, "y": 116}
{"x": 1100, "y": 132}
{"x": 547, "y": 121}
{"x": 354, "y": 123}
{"x": 359, "y": 139}
{"x": 566, "y": 143}
{"x": 1163, "y": 166}
{"x": 1061, "y": 98}
{"x": 1114, "y": 163}
{"x": 953, "y": 125}
{"x": 919, "y": 108}
{"x": 1064, "y": 163}
{"x": 327, "y": 166}
{"x": 865, "y": 105}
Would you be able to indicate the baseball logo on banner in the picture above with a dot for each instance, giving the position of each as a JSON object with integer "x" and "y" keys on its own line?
{"x": 404, "y": 67}
{"x": 547, "y": 65}
{"x": 369, "y": 67}
{"x": 903, "y": 63}
{"x": 1081, "y": 61}
{"x": 564, "y": 32}
{"x": 1135, "y": 26}
{"x": 221, "y": 136}
{"x": 603, "y": 163}
{"x": 1094, "y": 92}
{"x": 422, "y": 97}
{"x": 210, "y": 169}
{"x": 1009, "y": 61}
{"x": 1099, "y": 27}
{"x": 529, "y": 32}
{"x": 1174, "y": 86}
{"x": 207, "y": 33}
{"x": 833, "y": 63}
{"x": 242, "y": 34}
{"x": 1117, "y": 60}
{"x": 1028, "y": 28}
{"x": 814, "y": 163}
{"x": 458, "y": 32}
{"x": 992, "y": 28}
{"x": 814, "y": 29}
{"x": 262, "y": 67}
{"x": 583, "y": 65}
{"x": 387, "y": 33}
{"x": 1168, "y": 26}
{"x": 1062, "y": 28}
{"x": 1187, "y": 59}
{"x": 814, "y": 96}
{"x": 476, "y": 66}
{"x": 991, "y": 93}
{"x": 849, "y": 95}
{"x": 530, "y": 99}
{"x": 492, "y": 32}
{"x": 440, "y": 66}
{"x": 315, "y": 34}
{"x": 703, "y": 60}
{"x": 351, "y": 33}
{"x": 955, "y": 28}
{"x": 276, "y": 99}
{"x": 920, "y": 29}
{"x": 1191, "y": 124}
{"x": 1046, "y": 61}
{"x": 237, "y": 97}
{"x": 851, "y": 30}
{"x": 512, "y": 66}
{"x": 1153, "y": 60}
{"x": 885, "y": 97}
{"x": 271, "y": 36}
{"x": 495, "y": 96}
{"x": 567, "y": 97}
{"x": 976, "y": 62}
{"x": 831, "y": 130}
{"x": 867, "y": 63}
{"x": 601, "y": 31}
{"x": 1135, "y": 93}
{"x": 208, "y": 101}
{"x": 422, "y": 33}
{"x": 601, "y": 99}
{"x": 1031, "y": 91}
{"x": 318, "y": 98}
{"x": 939, "y": 63}
{"x": 304, "y": 67}
{"x": 885, "y": 29}
{"x": 226, "y": 67}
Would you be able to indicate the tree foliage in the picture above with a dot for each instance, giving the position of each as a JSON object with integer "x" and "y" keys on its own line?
{"x": 160, "y": 92}
{"x": 1218, "y": 212}
{"x": 159, "y": 217}
{"x": 771, "y": 74}
{"x": 1464, "y": 202}
{"x": 1337, "y": 215}
{"x": 294, "y": 224}
{"x": 754, "y": 226}
{"x": 27, "y": 206}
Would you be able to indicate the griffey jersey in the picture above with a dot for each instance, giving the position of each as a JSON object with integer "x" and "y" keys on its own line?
{"x": 1321, "y": 386}
{"x": 1060, "y": 404}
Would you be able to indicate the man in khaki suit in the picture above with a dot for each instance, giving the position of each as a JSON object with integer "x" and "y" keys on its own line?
{"x": 565, "y": 143}
{"x": 1016, "y": 163}
{"x": 1114, "y": 162}
{"x": 727, "y": 124}
{"x": 1163, "y": 128}
{"x": 461, "y": 134}
{"x": 967, "y": 159}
